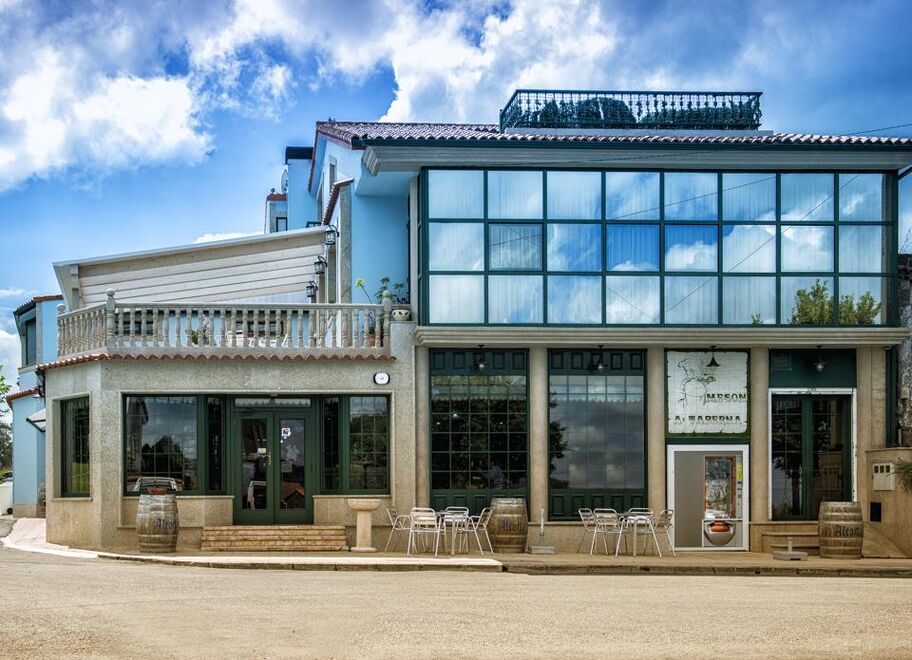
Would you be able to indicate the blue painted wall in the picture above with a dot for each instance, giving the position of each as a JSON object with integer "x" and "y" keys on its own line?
{"x": 301, "y": 205}
{"x": 28, "y": 451}
{"x": 47, "y": 319}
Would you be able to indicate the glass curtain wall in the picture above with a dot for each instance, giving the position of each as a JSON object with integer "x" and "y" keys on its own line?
{"x": 597, "y": 431}
{"x": 537, "y": 247}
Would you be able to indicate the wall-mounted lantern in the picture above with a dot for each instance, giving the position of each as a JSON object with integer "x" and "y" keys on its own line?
{"x": 320, "y": 266}
{"x": 329, "y": 237}
{"x": 311, "y": 289}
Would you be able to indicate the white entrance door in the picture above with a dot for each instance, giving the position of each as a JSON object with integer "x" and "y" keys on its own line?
{"x": 708, "y": 489}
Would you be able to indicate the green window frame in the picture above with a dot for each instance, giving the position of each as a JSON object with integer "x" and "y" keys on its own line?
{"x": 739, "y": 210}
{"x": 209, "y": 447}
{"x": 75, "y": 448}
{"x": 579, "y": 385}
{"x": 355, "y": 452}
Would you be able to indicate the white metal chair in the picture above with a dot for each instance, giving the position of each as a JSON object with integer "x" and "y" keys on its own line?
{"x": 423, "y": 522}
{"x": 664, "y": 523}
{"x": 480, "y": 523}
{"x": 607, "y": 523}
{"x": 588, "y": 519}
{"x": 399, "y": 522}
{"x": 635, "y": 518}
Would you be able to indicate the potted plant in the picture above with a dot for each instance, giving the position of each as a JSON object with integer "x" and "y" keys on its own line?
{"x": 397, "y": 296}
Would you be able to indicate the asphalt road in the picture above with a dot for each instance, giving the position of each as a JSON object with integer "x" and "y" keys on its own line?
{"x": 56, "y": 607}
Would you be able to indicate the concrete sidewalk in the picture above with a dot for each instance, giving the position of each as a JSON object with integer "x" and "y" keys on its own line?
{"x": 29, "y": 535}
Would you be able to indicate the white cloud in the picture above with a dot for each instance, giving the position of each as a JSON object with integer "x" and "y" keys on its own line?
{"x": 224, "y": 236}
{"x": 98, "y": 86}
{"x": 13, "y": 292}
{"x": 691, "y": 256}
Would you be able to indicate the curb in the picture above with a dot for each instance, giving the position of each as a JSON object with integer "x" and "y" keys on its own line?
{"x": 739, "y": 571}
{"x": 320, "y": 564}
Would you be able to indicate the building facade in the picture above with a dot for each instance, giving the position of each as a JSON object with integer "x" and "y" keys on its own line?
{"x": 613, "y": 300}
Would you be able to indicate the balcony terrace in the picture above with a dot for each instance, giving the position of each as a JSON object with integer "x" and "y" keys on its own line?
{"x": 224, "y": 329}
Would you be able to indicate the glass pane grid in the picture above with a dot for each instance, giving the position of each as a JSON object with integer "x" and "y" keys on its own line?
{"x": 689, "y": 229}
{"x": 479, "y": 432}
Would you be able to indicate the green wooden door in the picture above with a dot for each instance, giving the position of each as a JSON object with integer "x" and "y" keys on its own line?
{"x": 811, "y": 454}
{"x": 274, "y": 463}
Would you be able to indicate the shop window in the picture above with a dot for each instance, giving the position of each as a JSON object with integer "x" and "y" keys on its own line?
{"x": 368, "y": 440}
{"x": 215, "y": 436}
{"x": 597, "y": 430}
{"x": 479, "y": 426}
{"x": 74, "y": 441}
{"x": 161, "y": 438}
{"x": 356, "y": 437}
{"x": 331, "y": 447}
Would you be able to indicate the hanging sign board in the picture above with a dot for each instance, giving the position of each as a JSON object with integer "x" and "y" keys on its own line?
{"x": 707, "y": 392}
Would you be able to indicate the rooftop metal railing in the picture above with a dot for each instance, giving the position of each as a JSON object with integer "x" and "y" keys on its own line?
{"x": 544, "y": 108}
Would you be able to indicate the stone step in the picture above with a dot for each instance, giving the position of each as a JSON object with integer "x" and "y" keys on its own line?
{"x": 275, "y": 547}
{"x": 274, "y": 538}
{"x": 272, "y": 535}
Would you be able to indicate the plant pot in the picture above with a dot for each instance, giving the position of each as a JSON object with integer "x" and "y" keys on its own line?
{"x": 401, "y": 314}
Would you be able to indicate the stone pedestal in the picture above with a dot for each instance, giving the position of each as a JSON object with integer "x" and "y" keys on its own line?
{"x": 363, "y": 531}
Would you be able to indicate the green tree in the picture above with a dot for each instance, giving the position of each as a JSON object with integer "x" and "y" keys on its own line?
{"x": 863, "y": 313}
{"x": 813, "y": 306}
{"x": 6, "y": 432}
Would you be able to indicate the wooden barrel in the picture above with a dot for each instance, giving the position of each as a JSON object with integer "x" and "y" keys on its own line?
{"x": 157, "y": 523}
{"x": 840, "y": 530}
{"x": 509, "y": 525}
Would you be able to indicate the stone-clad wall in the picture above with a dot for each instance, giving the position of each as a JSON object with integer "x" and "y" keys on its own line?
{"x": 106, "y": 518}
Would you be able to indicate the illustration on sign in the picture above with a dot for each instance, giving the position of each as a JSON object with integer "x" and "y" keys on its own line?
{"x": 286, "y": 432}
{"x": 707, "y": 391}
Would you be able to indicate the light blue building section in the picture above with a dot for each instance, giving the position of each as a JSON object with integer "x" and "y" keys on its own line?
{"x": 379, "y": 210}
{"x": 36, "y": 322}
{"x": 28, "y": 455}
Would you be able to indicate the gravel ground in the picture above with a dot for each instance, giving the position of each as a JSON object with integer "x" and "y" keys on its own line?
{"x": 53, "y": 607}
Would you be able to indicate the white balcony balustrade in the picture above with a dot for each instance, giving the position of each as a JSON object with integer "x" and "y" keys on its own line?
{"x": 138, "y": 327}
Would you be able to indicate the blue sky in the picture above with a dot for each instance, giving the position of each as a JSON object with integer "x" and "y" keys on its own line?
{"x": 137, "y": 124}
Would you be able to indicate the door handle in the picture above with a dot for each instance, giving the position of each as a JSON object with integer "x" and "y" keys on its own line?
{"x": 268, "y": 458}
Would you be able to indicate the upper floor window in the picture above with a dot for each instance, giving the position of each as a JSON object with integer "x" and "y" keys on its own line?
{"x": 28, "y": 339}
{"x": 573, "y": 247}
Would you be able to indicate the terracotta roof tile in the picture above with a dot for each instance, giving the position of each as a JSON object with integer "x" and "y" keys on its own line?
{"x": 356, "y": 134}
{"x": 217, "y": 357}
